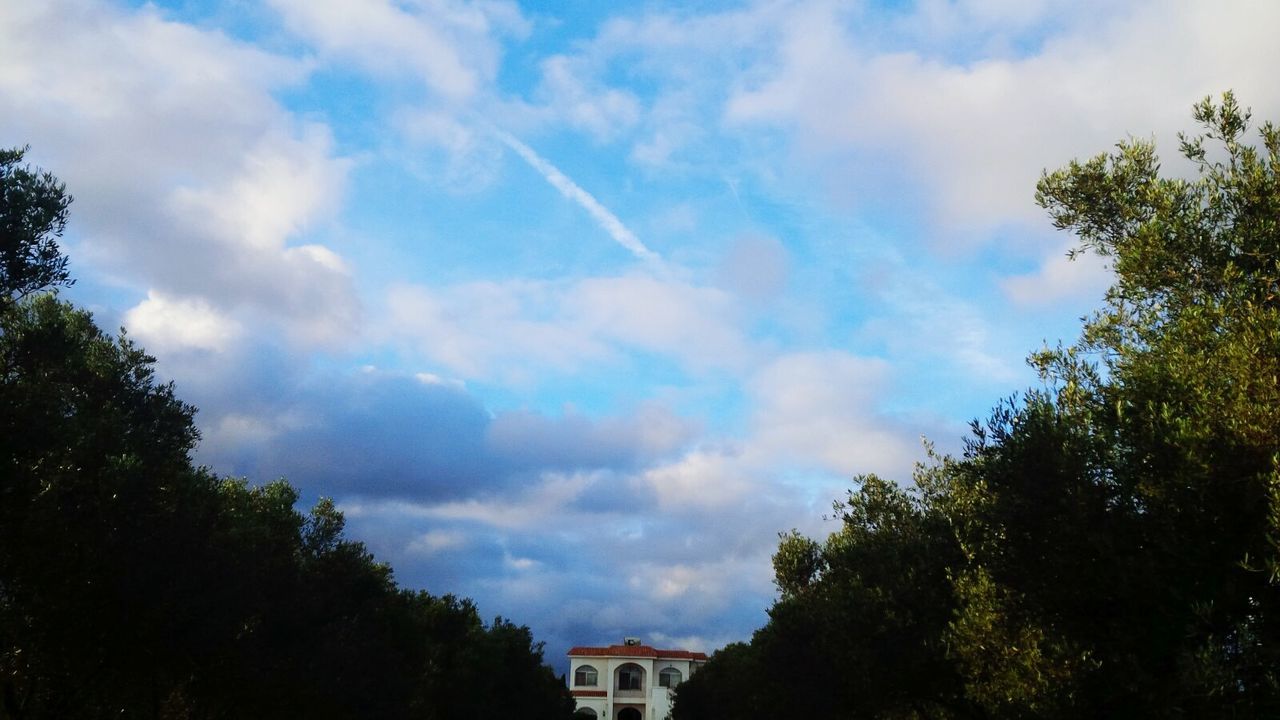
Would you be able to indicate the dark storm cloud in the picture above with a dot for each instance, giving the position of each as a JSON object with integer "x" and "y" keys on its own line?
{"x": 388, "y": 436}
{"x": 571, "y": 441}
{"x": 375, "y": 434}
{"x": 612, "y": 493}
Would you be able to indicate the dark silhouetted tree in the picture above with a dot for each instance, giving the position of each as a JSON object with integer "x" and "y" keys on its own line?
{"x": 33, "y": 215}
{"x": 1109, "y": 544}
{"x": 136, "y": 585}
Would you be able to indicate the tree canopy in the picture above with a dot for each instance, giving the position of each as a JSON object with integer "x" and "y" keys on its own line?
{"x": 1109, "y": 543}
{"x": 33, "y": 215}
{"x": 134, "y": 584}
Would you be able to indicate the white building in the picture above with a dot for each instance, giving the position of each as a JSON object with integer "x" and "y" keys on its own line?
{"x": 630, "y": 681}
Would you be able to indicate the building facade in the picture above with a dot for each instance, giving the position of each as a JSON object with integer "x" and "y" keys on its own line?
{"x": 631, "y": 681}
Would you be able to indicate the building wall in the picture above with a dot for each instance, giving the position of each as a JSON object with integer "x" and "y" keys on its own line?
{"x": 655, "y": 699}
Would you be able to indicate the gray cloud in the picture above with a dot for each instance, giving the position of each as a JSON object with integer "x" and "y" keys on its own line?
{"x": 756, "y": 267}
{"x": 530, "y": 440}
{"x": 196, "y": 186}
{"x": 584, "y": 577}
{"x": 391, "y": 435}
{"x": 385, "y": 436}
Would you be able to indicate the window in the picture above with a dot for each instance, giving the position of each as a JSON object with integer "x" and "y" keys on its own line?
{"x": 629, "y": 679}
{"x": 669, "y": 677}
{"x": 585, "y": 675}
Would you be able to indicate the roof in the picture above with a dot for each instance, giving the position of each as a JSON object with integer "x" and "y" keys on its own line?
{"x": 639, "y": 651}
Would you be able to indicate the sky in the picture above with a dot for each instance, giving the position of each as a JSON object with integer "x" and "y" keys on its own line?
{"x": 573, "y": 307}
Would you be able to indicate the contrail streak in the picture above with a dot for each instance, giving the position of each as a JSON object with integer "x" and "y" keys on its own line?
{"x": 572, "y": 191}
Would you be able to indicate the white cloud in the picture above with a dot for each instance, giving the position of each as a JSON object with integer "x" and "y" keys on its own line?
{"x": 672, "y": 127}
{"x": 447, "y": 46}
{"x": 602, "y": 112}
{"x": 196, "y": 184}
{"x": 281, "y": 185}
{"x": 823, "y": 407}
{"x": 165, "y": 324}
{"x": 443, "y": 151}
{"x": 684, "y": 63}
{"x": 427, "y": 378}
{"x": 489, "y": 329}
{"x": 979, "y": 131}
{"x": 190, "y": 178}
{"x": 436, "y": 541}
{"x": 1059, "y": 278}
{"x": 705, "y": 479}
{"x": 695, "y": 324}
{"x": 240, "y": 430}
{"x": 508, "y": 330}
{"x": 438, "y": 128}
{"x": 755, "y": 267}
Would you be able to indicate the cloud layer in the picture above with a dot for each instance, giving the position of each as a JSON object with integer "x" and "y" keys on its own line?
{"x": 574, "y": 313}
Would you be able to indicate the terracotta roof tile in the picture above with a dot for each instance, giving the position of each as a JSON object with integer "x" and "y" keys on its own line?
{"x": 637, "y": 651}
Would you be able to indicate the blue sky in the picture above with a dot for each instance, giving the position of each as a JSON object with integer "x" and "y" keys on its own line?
{"x": 573, "y": 307}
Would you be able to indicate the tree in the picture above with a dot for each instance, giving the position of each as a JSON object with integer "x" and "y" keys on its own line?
{"x": 1108, "y": 544}
{"x": 94, "y": 457}
{"x": 134, "y": 584}
{"x": 1155, "y": 454}
{"x": 858, "y": 629}
{"x": 33, "y": 215}
{"x": 726, "y": 687}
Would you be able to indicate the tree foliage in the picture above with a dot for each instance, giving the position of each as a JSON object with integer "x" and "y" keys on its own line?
{"x": 136, "y": 585}
{"x": 1107, "y": 545}
{"x": 33, "y": 214}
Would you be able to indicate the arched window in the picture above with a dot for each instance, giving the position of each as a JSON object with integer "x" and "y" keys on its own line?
{"x": 584, "y": 714}
{"x": 585, "y": 675}
{"x": 629, "y": 714}
{"x": 669, "y": 677}
{"x": 630, "y": 677}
